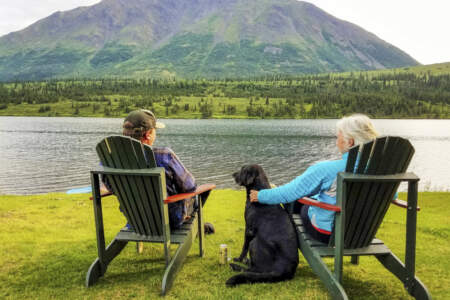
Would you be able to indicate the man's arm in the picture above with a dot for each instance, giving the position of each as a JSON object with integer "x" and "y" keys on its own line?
{"x": 183, "y": 179}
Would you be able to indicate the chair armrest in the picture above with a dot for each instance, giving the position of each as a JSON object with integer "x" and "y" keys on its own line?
{"x": 309, "y": 201}
{"x": 135, "y": 172}
{"x": 402, "y": 203}
{"x": 199, "y": 190}
{"x": 350, "y": 177}
{"x": 103, "y": 193}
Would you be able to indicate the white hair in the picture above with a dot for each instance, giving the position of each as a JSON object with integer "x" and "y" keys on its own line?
{"x": 357, "y": 127}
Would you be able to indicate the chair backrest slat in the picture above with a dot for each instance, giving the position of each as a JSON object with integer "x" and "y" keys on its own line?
{"x": 353, "y": 208}
{"x": 366, "y": 199}
{"x": 104, "y": 153}
{"x": 402, "y": 154}
{"x": 379, "y": 191}
{"x": 364, "y": 157}
{"x": 142, "y": 157}
{"x": 151, "y": 162}
{"x": 387, "y": 159}
{"x": 140, "y": 197}
{"x": 138, "y": 151}
{"x": 367, "y": 202}
{"x": 376, "y": 156}
{"x": 123, "y": 159}
{"x": 153, "y": 206}
{"x": 352, "y": 158}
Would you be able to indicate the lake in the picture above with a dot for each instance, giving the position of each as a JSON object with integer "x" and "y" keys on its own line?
{"x": 41, "y": 155}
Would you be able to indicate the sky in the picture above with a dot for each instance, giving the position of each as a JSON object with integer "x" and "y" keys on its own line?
{"x": 420, "y": 28}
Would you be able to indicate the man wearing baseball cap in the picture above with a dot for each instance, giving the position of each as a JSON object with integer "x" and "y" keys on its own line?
{"x": 142, "y": 125}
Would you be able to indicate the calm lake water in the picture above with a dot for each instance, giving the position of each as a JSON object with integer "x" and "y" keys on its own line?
{"x": 40, "y": 155}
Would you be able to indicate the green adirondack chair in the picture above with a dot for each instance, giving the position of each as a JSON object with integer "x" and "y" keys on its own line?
{"x": 364, "y": 194}
{"x": 140, "y": 188}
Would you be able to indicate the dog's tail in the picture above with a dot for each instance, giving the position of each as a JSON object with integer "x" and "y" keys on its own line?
{"x": 253, "y": 277}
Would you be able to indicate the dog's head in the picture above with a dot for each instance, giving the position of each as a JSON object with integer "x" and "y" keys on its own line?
{"x": 252, "y": 177}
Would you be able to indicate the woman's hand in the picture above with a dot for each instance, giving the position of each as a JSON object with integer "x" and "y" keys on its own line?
{"x": 253, "y": 196}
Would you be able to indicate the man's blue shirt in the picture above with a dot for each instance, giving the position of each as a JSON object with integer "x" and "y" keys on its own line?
{"x": 178, "y": 180}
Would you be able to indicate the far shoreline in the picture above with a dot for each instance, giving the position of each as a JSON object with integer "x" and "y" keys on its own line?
{"x": 220, "y": 118}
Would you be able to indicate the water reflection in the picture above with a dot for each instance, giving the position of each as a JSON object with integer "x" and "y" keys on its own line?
{"x": 39, "y": 155}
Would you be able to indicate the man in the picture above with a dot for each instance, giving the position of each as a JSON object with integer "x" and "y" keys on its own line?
{"x": 142, "y": 125}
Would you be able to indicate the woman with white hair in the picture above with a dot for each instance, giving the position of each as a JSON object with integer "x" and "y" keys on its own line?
{"x": 319, "y": 180}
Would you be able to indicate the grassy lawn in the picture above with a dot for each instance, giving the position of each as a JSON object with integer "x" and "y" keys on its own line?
{"x": 48, "y": 243}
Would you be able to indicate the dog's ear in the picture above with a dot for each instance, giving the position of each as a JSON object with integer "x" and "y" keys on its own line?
{"x": 237, "y": 177}
{"x": 246, "y": 176}
{"x": 250, "y": 175}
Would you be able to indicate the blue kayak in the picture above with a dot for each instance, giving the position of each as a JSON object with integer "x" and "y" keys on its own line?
{"x": 82, "y": 190}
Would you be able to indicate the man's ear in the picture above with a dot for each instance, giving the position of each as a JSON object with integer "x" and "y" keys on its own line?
{"x": 146, "y": 136}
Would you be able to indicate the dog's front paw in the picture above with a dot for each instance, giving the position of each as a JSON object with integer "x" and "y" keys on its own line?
{"x": 235, "y": 267}
{"x": 244, "y": 260}
{"x": 239, "y": 265}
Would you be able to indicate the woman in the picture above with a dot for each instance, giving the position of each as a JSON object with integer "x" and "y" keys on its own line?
{"x": 319, "y": 180}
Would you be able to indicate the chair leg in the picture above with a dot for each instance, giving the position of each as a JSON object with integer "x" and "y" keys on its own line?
{"x": 176, "y": 263}
{"x": 328, "y": 279}
{"x": 201, "y": 230}
{"x": 94, "y": 273}
{"x": 413, "y": 285}
{"x": 355, "y": 259}
{"x": 333, "y": 286}
{"x": 98, "y": 267}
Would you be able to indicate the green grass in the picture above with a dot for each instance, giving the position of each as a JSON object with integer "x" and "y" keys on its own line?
{"x": 48, "y": 242}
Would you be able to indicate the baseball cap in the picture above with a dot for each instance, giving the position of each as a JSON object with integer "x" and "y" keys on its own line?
{"x": 139, "y": 121}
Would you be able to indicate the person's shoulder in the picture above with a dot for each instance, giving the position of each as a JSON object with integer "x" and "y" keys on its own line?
{"x": 164, "y": 153}
{"x": 327, "y": 164}
{"x": 162, "y": 150}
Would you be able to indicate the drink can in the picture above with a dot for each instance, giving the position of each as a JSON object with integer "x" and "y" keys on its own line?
{"x": 223, "y": 254}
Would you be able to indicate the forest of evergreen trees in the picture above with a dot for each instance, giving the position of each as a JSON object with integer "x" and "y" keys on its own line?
{"x": 402, "y": 95}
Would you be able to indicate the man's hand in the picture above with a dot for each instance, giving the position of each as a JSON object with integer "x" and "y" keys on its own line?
{"x": 253, "y": 196}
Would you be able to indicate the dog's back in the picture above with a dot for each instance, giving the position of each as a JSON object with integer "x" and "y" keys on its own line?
{"x": 275, "y": 230}
{"x": 273, "y": 241}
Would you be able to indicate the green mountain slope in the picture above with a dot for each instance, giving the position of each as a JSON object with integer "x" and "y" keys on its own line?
{"x": 192, "y": 38}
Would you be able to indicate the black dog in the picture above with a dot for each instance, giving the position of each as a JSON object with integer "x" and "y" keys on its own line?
{"x": 269, "y": 236}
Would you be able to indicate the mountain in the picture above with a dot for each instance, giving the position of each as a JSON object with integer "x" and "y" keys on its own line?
{"x": 192, "y": 38}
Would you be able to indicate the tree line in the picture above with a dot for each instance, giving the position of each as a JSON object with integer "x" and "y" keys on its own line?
{"x": 392, "y": 95}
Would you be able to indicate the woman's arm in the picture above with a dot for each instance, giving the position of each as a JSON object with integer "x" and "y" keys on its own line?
{"x": 307, "y": 184}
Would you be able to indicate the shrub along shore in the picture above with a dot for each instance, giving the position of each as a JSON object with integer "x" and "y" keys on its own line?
{"x": 48, "y": 243}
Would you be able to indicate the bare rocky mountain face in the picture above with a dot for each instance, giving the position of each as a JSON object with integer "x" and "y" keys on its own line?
{"x": 192, "y": 38}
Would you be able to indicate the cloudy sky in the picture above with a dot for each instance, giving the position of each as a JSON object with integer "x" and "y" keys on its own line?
{"x": 420, "y": 28}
